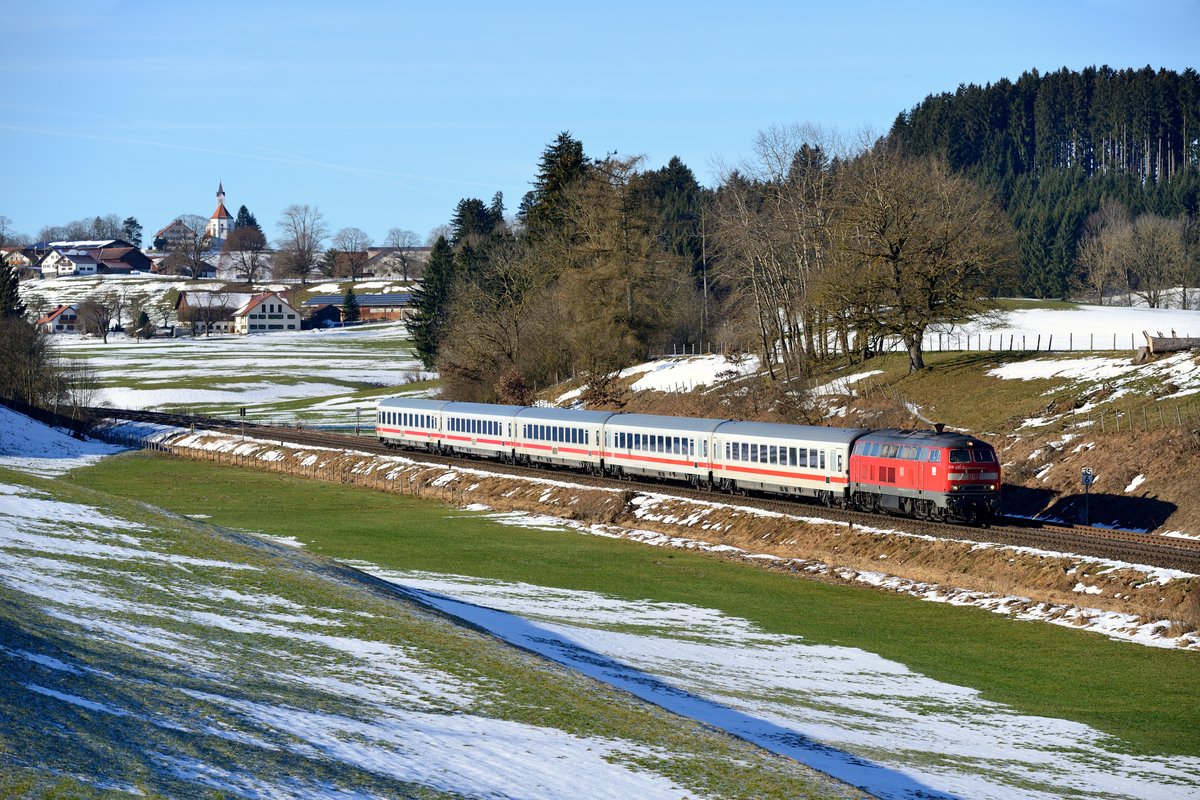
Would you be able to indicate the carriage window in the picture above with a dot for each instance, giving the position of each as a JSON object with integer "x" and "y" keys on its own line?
{"x": 762, "y": 454}
{"x": 754, "y": 452}
{"x": 728, "y": 455}
{"x": 637, "y": 441}
{"x": 791, "y": 457}
{"x": 822, "y": 459}
{"x": 745, "y": 451}
{"x": 663, "y": 443}
{"x": 803, "y": 462}
{"x": 774, "y": 455}
{"x": 675, "y": 447}
{"x": 984, "y": 456}
{"x": 960, "y": 456}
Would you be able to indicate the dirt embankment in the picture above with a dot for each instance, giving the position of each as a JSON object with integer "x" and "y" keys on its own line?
{"x": 1046, "y": 585}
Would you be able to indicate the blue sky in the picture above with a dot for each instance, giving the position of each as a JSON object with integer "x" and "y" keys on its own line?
{"x": 386, "y": 114}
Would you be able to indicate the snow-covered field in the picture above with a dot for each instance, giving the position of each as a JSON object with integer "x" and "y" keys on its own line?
{"x": 313, "y": 375}
{"x": 32, "y": 447}
{"x": 1081, "y": 327}
{"x": 1180, "y": 371}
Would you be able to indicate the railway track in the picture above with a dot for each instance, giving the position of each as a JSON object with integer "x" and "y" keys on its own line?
{"x": 1134, "y": 546}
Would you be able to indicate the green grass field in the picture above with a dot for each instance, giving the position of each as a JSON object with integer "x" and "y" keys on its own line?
{"x": 1143, "y": 695}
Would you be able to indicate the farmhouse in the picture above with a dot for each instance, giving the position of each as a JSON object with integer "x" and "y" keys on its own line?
{"x": 372, "y": 307}
{"x": 107, "y": 256}
{"x": 210, "y": 312}
{"x": 64, "y": 319}
{"x": 266, "y": 312}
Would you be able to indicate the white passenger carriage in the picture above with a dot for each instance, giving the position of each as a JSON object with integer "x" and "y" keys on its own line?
{"x": 479, "y": 429}
{"x": 676, "y": 448}
{"x": 406, "y": 422}
{"x": 563, "y": 436}
{"x": 803, "y": 460}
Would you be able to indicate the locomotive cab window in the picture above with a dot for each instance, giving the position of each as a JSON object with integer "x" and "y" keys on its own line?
{"x": 960, "y": 456}
{"x": 984, "y": 456}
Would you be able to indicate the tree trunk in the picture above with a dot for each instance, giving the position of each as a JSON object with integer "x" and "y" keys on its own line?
{"x": 916, "y": 359}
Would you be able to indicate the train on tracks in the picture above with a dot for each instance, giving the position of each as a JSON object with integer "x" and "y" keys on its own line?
{"x": 925, "y": 474}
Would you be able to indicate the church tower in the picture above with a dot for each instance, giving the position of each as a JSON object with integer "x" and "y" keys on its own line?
{"x": 221, "y": 222}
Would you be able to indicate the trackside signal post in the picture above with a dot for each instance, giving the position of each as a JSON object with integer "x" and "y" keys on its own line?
{"x": 1087, "y": 478}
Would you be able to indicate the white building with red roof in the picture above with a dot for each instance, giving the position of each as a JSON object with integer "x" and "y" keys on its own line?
{"x": 63, "y": 319}
{"x": 221, "y": 222}
{"x": 266, "y": 313}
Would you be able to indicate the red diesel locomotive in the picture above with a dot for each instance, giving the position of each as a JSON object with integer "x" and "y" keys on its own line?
{"x": 931, "y": 474}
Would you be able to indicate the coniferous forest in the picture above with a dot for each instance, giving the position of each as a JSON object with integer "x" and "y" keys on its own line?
{"x": 1054, "y": 147}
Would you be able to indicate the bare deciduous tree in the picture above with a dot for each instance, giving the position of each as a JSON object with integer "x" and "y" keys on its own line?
{"x": 915, "y": 243}
{"x": 246, "y": 252}
{"x": 1156, "y": 258}
{"x": 404, "y": 242}
{"x": 301, "y": 231}
{"x": 772, "y": 228}
{"x": 1101, "y": 253}
{"x": 193, "y": 247}
{"x": 96, "y": 313}
{"x": 353, "y": 244}
{"x": 205, "y": 309}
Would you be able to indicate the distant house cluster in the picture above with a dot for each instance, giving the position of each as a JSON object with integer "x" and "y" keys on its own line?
{"x": 62, "y": 259}
{"x": 193, "y": 248}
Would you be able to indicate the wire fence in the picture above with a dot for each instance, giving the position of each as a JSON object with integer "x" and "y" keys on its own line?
{"x": 1134, "y": 417}
{"x": 996, "y": 341}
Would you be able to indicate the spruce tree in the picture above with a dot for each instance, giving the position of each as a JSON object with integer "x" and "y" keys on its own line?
{"x": 350, "y": 307}
{"x": 432, "y": 301}
{"x": 131, "y": 231}
{"x": 11, "y": 306}
{"x": 245, "y": 219}
{"x": 562, "y": 163}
